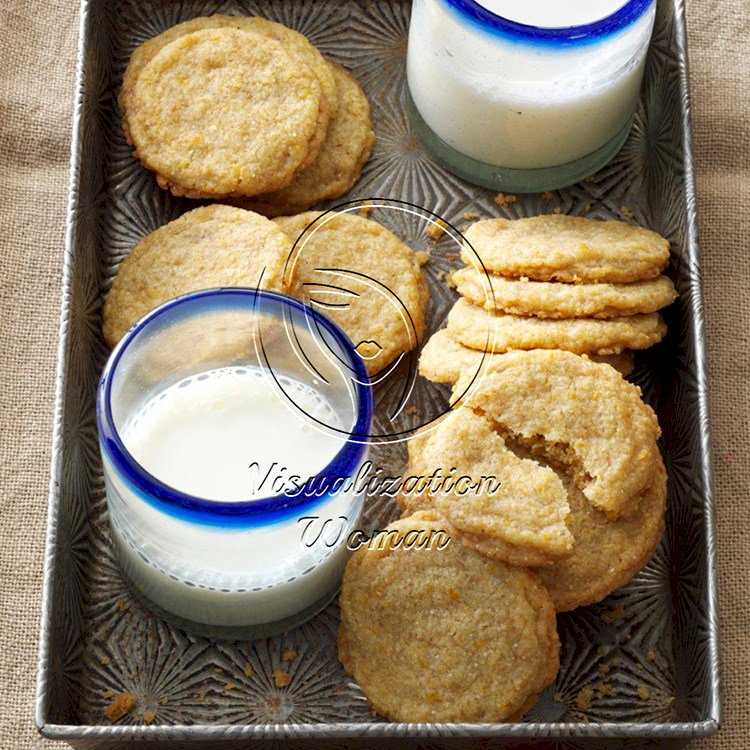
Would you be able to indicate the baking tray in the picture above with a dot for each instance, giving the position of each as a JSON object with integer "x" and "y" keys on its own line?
{"x": 659, "y": 633}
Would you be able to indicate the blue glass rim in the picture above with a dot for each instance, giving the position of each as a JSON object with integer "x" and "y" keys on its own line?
{"x": 246, "y": 513}
{"x": 556, "y": 36}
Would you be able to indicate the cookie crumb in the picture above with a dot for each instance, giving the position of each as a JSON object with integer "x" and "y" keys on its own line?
{"x": 558, "y": 210}
{"x": 436, "y": 229}
{"x": 626, "y": 212}
{"x": 121, "y": 706}
{"x": 148, "y": 717}
{"x": 230, "y": 686}
{"x": 605, "y": 690}
{"x": 505, "y": 200}
{"x": 604, "y": 670}
{"x": 281, "y": 678}
{"x": 650, "y": 655}
{"x": 104, "y": 661}
{"x": 558, "y": 697}
{"x": 612, "y": 615}
{"x": 584, "y": 698}
{"x": 587, "y": 207}
{"x": 366, "y": 208}
{"x": 289, "y": 655}
{"x": 643, "y": 692}
{"x": 411, "y": 411}
{"x": 122, "y": 605}
{"x": 546, "y": 196}
{"x": 110, "y": 693}
{"x": 422, "y": 256}
{"x": 249, "y": 670}
{"x": 470, "y": 216}
{"x": 164, "y": 701}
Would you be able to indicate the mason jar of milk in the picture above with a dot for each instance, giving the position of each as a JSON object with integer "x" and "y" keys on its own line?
{"x": 526, "y": 96}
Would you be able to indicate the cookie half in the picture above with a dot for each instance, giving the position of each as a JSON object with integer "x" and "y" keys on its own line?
{"x": 568, "y": 248}
{"x": 607, "y": 553}
{"x": 224, "y": 112}
{"x": 546, "y": 299}
{"x": 580, "y": 415}
{"x": 477, "y": 328}
{"x": 444, "y": 635}
{"x": 212, "y": 246}
{"x": 363, "y": 277}
{"x": 506, "y": 507}
{"x": 339, "y": 162}
{"x": 444, "y": 360}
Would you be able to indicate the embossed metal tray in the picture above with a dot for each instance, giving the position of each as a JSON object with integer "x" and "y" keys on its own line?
{"x": 654, "y": 644}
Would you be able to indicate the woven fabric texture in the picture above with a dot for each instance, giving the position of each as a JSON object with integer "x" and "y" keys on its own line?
{"x": 37, "y": 62}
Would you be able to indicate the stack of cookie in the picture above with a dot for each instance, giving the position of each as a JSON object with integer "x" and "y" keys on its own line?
{"x": 565, "y": 502}
{"x": 554, "y": 282}
{"x": 242, "y": 107}
{"x": 581, "y": 487}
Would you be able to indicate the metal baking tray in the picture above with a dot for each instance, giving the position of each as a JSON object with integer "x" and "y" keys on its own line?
{"x": 658, "y": 637}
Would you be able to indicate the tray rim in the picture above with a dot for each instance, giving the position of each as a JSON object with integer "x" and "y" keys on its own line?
{"x": 345, "y": 730}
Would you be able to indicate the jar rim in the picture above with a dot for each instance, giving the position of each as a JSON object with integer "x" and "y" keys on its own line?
{"x": 246, "y": 513}
{"x": 594, "y": 31}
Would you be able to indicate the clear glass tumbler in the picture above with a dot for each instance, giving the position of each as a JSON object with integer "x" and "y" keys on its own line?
{"x": 524, "y": 108}
{"x": 234, "y": 566}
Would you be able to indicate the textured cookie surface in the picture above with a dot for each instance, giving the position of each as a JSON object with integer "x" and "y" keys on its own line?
{"x": 547, "y": 299}
{"x": 207, "y": 247}
{"x": 338, "y": 163}
{"x": 445, "y": 635}
{"x": 224, "y": 112}
{"x": 362, "y": 276}
{"x": 607, "y": 553}
{"x": 568, "y": 248}
{"x": 579, "y": 414}
{"x": 444, "y": 360}
{"x": 477, "y": 328}
{"x": 518, "y": 516}
{"x": 292, "y": 41}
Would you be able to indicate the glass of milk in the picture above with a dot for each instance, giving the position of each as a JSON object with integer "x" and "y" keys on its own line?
{"x": 526, "y": 96}
{"x": 233, "y": 426}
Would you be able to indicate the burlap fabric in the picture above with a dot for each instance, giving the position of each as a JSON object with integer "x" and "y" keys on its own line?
{"x": 37, "y": 60}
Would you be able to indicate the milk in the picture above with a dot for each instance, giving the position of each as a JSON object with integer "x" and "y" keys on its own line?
{"x": 210, "y": 435}
{"x": 510, "y": 101}
{"x": 553, "y": 13}
{"x": 225, "y": 435}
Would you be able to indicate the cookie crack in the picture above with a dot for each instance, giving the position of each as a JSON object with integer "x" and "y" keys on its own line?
{"x": 558, "y": 456}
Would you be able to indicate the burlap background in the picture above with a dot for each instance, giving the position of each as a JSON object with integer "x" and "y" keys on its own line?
{"x": 37, "y": 60}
